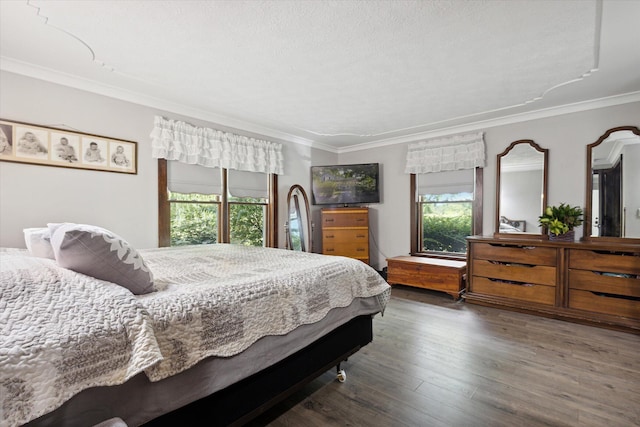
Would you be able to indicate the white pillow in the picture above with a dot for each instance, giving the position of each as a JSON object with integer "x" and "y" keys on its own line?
{"x": 38, "y": 241}
{"x": 99, "y": 253}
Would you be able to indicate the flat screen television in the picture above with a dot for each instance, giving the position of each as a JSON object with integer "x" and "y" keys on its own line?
{"x": 345, "y": 184}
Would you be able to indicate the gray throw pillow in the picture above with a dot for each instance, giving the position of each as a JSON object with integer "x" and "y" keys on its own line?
{"x": 99, "y": 253}
{"x": 38, "y": 241}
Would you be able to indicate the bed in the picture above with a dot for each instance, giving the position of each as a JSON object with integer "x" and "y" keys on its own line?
{"x": 228, "y": 330}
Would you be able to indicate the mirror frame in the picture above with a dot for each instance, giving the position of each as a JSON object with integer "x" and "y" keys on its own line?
{"x": 586, "y": 226}
{"x": 309, "y": 226}
{"x": 545, "y": 173}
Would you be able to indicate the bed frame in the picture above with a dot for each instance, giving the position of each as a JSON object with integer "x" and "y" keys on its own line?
{"x": 234, "y": 405}
{"x": 245, "y": 400}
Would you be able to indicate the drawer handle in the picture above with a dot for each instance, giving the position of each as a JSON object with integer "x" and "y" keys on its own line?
{"x": 359, "y": 219}
{"x": 608, "y": 295}
{"x": 511, "y": 264}
{"x": 360, "y": 250}
{"x": 329, "y": 236}
{"x": 504, "y": 245}
{"x": 330, "y": 250}
{"x": 328, "y": 220}
{"x": 511, "y": 282}
{"x": 616, "y": 253}
{"x": 620, "y": 275}
{"x": 360, "y": 236}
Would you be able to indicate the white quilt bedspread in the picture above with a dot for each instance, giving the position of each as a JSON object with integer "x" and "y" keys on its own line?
{"x": 62, "y": 332}
{"x": 217, "y": 300}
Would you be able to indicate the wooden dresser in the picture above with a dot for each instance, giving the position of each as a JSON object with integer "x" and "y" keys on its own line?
{"x": 345, "y": 232}
{"x": 596, "y": 283}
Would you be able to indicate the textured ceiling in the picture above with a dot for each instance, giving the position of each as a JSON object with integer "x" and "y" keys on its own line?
{"x": 335, "y": 73}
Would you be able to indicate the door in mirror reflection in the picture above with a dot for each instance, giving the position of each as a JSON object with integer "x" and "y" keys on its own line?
{"x": 615, "y": 186}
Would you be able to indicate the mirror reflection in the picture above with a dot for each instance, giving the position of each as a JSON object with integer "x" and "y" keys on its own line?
{"x": 615, "y": 185}
{"x": 298, "y": 227}
{"x": 521, "y": 188}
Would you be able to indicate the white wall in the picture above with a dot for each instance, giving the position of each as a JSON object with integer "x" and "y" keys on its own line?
{"x": 31, "y": 195}
{"x": 299, "y": 160}
{"x": 566, "y": 137}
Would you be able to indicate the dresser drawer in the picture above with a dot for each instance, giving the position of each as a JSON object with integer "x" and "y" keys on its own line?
{"x": 353, "y": 250}
{"x": 604, "y": 262}
{"x": 515, "y": 253}
{"x": 344, "y": 236}
{"x": 594, "y": 281}
{"x": 345, "y": 219}
{"x": 533, "y": 274}
{"x": 540, "y": 294}
{"x": 604, "y": 303}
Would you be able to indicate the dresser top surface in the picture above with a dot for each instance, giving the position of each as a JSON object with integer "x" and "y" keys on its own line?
{"x": 595, "y": 245}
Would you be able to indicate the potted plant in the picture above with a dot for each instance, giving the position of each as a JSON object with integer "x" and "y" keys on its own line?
{"x": 561, "y": 220}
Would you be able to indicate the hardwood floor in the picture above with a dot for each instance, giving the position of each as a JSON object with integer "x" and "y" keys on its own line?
{"x": 437, "y": 362}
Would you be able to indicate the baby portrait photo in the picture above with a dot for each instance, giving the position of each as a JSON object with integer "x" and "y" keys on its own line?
{"x": 65, "y": 147}
{"x": 94, "y": 151}
{"x": 32, "y": 142}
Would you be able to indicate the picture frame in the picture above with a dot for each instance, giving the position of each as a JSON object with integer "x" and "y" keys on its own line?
{"x": 42, "y": 145}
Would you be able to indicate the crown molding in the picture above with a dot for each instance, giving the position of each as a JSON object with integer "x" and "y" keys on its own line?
{"x": 53, "y": 76}
{"x": 500, "y": 121}
{"x": 65, "y": 79}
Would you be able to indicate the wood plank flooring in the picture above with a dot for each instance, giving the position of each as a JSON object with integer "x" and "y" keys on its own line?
{"x": 437, "y": 362}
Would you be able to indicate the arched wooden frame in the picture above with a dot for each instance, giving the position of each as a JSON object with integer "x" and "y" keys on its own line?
{"x": 306, "y": 228}
{"x": 588, "y": 220}
{"x": 545, "y": 172}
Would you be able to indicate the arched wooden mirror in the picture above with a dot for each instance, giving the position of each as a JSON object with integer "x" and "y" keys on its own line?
{"x": 612, "y": 210}
{"x": 298, "y": 227}
{"x": 521, "y": 189}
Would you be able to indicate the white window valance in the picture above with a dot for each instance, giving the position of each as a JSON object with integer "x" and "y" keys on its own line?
{"x": 176, "y": 140}
{"x": 446, "y": 154}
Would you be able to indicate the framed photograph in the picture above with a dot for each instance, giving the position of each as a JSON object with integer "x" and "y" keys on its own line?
{"x": 34, "y": 144}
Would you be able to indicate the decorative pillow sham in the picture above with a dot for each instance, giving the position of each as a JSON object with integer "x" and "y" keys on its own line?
{"x": 99, "y": 253}
{"x": 38, "y": 241}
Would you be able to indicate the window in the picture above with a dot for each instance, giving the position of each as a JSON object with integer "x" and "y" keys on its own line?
{"x": 194, "y": 218}
{"x": 448, "y": 209}
{"x": 202, "y": 205}
{"x": 247, "y": 206}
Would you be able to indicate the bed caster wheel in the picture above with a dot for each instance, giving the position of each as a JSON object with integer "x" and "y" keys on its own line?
{"x": 342, "y": 375}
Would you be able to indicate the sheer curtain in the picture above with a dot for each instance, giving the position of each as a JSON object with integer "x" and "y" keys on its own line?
{"x": 450, "y": 153}
{"x": 177, "y": 140}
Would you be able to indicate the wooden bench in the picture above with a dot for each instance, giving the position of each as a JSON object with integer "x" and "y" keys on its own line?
{"x": 429, "y": 273}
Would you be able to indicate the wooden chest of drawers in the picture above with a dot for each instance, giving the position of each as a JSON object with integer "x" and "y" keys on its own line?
{"x": 345, "y": 232}
{"x": 428, "y": 273}
{"x": 522, "y": 272}
{"x": 605, "y": 282}
{"x": 592, "y": 282}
